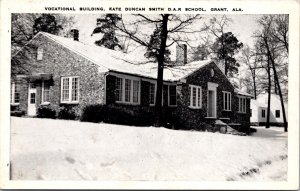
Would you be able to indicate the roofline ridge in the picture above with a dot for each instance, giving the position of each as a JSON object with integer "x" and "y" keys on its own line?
{"x": 68, "y": 47}
{"x": 90, "y": 45}
{"x": 26, "y": 44}
{"x": 208, "y": 62}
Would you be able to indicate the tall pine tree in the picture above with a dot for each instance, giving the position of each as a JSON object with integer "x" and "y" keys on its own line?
{"x": 106, "y": 26}
{"x": 46, "y": 23}
{"x": 225, "y": 47}
{"x": 154, "y": 45}
{"x": 201, "y": 52}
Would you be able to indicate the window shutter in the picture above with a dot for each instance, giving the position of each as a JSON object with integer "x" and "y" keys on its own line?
{"x": 189, "y": 95}
{"x": 110, "y": 96}
{"x": 224, "y": 100}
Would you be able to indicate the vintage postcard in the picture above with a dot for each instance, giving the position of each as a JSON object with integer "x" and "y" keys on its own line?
{"x": 150, "y": 94}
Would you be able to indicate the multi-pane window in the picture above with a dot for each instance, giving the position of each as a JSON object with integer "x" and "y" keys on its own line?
{"x": 65, "y": 89}
{"x": 168, "y": 91}
{"x": 136, "y": 91}
{"x": 227, "y": 101}
{"x": 263, "y": 113}
{"x": 70, "y": 90}
{"x": 277, "y": 113}
{"x": 15, "y": 93}
{"x": 32, "y": 98}
{"x": 195, "y": 96}
{"x": 242, "y": 105}
{"x": 119, "y": 89}
{"x": 127, "y": 90}
{"x": 199, "y": 101}
{"x": 46, "y": 92}
{"x": 74, "y": 89}
{"x": 152, "y": 94}
{"x": 172, "y": 95}
{"x": 39, "y": 53}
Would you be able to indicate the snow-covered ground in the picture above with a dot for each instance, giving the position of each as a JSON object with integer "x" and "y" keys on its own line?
{"x": 47, "y": 149}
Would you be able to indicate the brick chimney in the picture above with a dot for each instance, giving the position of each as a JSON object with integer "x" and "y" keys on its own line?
{"x": 75, "y": 34}
{"x": 181, "y": 54}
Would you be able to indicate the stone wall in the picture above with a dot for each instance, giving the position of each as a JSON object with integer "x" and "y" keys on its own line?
{"x": 182, "y": 116}
{"x": 60, "y": 62}
{"x": 242, "y": 118}
{"x": 197, "y": 118}
{"x": 23, "y": 94}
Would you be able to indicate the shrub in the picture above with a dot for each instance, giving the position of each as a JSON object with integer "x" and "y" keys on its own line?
{"x": 14, "y": 108}
{"x": 66, "y": 112}
{"x": 118, "y": 115}
{"x": 123, "y": 115}
{"x": 176, "y": 120}
{"x": 92, "y": 113}
{"x": 18, "y": 113}
{"x": 253, "y": 130}
{"x": 128, "y": 115}
{"x": 46, "y": 112}
{"x": 145, "y": 118}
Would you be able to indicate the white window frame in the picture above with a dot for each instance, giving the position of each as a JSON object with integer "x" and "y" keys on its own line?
{"x": 228, "y": 106}
{"x": 13, "y": 94}
{"x": 198, "y": 97}
{"x": 170, "y": 94}
{"x": 39, "y": 53}
{"x": 123, "y": 77}
{"x": 130, "y": 91}
{"x": 70, "y": 89}
{"x": 242, "y": 105}
{"x": 43, "y": 93}
{"x": 121, "y": 90}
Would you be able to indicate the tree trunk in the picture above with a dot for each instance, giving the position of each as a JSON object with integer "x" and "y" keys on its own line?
{"x": 278, "y": 85}
{"x": 225, "y": 67}
{"x": 254, "y": 83}
{"x": 282, "y": 105}
{"x": 160, "y": 70}
{"x": 275, "y": 86}
{"x": 269, "y": 95}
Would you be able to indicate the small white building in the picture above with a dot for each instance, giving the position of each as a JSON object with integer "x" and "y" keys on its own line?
{"x": 259, "y": 110}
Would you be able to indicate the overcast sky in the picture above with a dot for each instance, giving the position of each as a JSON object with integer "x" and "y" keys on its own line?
{"x": 242, "y": 26}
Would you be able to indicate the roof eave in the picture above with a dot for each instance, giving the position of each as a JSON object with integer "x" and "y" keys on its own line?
{"x": 245, "y": 95}
{"x": 137, "y": 75}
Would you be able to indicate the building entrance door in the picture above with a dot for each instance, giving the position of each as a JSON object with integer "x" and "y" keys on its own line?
{"x": 31, "y": 100}
{"x": 212, "y": 100}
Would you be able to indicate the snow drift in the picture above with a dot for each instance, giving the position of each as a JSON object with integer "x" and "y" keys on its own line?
{"x": 47, "y": 149}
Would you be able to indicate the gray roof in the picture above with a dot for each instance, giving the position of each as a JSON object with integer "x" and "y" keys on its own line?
{"x": 136, "y": 64}
{"x": 132, "y": 63}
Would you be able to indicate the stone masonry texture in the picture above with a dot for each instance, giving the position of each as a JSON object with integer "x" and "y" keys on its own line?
{"x": 61, "y": 62}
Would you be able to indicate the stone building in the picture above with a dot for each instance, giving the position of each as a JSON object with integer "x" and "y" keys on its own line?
{"x": 68, "y": 73}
